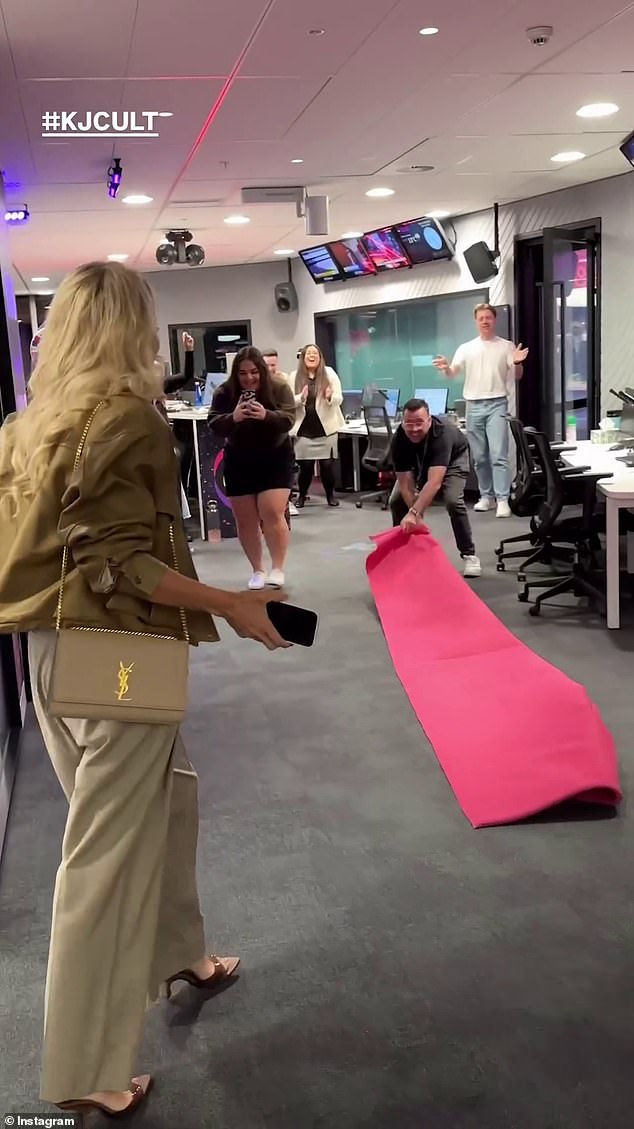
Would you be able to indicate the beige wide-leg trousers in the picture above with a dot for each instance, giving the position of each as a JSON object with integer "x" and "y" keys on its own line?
{"x": 125, "y": 911}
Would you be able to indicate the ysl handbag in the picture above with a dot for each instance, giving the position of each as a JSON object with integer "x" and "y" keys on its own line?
{"x": 107, "y": 674}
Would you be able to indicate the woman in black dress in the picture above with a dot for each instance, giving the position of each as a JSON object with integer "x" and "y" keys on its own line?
{"x": 254, "y": 412}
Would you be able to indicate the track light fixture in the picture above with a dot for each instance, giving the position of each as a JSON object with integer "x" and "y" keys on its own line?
{"x": 177, "y": 251}
{"x": 115, "y": 176}
{"x": 17, "y": 215}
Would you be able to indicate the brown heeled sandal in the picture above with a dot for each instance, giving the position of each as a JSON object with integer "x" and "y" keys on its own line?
{"x": 139, "y": 1088}
{"x": 224, "y": 969}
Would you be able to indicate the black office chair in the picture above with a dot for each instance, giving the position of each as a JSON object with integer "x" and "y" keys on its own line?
{"x": 377, "y": 457}
{"x": 527, "y": 494}
{"x": 580, "y": 532}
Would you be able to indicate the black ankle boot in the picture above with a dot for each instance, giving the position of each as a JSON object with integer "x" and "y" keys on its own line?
{"x": 332, "y": 501}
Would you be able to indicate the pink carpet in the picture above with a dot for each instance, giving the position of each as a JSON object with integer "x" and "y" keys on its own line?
{"x": 514, "y": 735}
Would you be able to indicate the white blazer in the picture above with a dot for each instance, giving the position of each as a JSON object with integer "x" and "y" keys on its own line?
{"x": 329, "y": 411}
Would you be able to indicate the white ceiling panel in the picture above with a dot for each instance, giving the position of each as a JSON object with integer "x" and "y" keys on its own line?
{"x": 286, "y": 47}
{"x": 531, "y": 153}
{"x": 613, "y": 41}
{"x": 260, "y": 110}
{"x": 69, "y": 39}
{"x": 548, "y": 103}
{"x": 192, "y": 37}
{"x": 509, "y": 49}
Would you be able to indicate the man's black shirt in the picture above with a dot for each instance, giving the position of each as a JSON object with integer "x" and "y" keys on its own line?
{"x": 444, "y": 445}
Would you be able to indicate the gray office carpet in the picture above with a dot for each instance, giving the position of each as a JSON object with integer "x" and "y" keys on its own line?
{"x": 400, "y": 970}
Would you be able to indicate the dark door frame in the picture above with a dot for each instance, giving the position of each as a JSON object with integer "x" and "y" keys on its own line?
{"x": 583, "y": 230}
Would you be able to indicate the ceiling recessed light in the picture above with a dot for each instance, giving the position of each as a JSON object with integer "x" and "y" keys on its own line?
{"x": 567, "y": 158}
{"x": 438, "y": 215}
{"x": 284, "y": 251}
{"x": 138, "y": 199}
{"x": 41, "y": 278}
{"x": 297, "y": 161}
{"x": 428, "y": 31}
{"x": 237, "y": 220}
{"x": 377, "y": 193}
{"x": 118, "y": 258}
{"x": 598, "y": 110}
{"x": 352, "y": 235}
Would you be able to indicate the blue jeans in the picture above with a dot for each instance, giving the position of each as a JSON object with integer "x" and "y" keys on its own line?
{"x": 488, "y": 434}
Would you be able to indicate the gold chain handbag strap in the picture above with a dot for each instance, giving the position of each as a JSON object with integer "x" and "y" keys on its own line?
{"x": 60, "y": 599}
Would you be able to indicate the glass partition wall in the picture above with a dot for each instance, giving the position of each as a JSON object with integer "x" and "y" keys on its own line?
{"x": 393, "y": 345}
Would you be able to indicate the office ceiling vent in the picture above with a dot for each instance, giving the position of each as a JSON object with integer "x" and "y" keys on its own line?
{"x": 277, "y": 194}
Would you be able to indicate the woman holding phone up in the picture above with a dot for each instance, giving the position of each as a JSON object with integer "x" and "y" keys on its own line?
{"x": 254, "y": 412}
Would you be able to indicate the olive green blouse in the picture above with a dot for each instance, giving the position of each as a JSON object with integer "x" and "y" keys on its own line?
{"x": 114, "y": 513}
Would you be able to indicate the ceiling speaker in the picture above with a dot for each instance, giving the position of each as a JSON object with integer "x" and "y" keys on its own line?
{"x": 481, "y": 262}
{"x": 316, "y": 211}
{"x": 286, "y": 297}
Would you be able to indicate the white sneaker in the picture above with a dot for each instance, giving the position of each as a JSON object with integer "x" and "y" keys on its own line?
{"x": 472, "y": 567}
{"x": 504, "y": 510}
{"x": 483, "y": 505}
{"x": 292, "y": 509}
{"x": 257, "y": 582}
{"x": 276, "y": 578}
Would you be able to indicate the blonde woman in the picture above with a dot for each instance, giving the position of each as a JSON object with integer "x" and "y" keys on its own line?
{"x": 126, "y": 915}
{"x": 319, "y": 419}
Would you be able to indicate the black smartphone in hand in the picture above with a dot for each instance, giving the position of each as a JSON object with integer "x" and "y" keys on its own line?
{"x": 295, "y": 625}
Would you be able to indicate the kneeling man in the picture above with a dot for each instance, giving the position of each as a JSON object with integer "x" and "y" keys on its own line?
{"x": 431, "y": 458}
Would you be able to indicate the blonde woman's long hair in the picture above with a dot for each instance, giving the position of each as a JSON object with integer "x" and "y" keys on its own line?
{"x": 100, "y": 340}
{"x": 301, "y": 377}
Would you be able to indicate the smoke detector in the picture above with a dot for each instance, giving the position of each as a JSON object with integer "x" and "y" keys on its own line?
{"x": 539, "y": 36}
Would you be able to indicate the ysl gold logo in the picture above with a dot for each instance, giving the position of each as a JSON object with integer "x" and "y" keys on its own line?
{"x": 123, "y": 675}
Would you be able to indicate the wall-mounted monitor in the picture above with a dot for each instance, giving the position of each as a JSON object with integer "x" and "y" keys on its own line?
{"x": 424, "y": 240}
{"x": 627, "y": 148}
{"x": 384, "y": 249}
{"x": 352, "y": 258}
{"x": 320, "y": 264}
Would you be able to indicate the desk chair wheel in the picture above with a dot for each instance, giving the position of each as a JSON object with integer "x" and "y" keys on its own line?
{"x": 521, "y": 576}
{"x": 501, "y": 567}
{"x": 522, "y": 597}
{"x": 359, "y": 505}
{"x": 534, "y": 610}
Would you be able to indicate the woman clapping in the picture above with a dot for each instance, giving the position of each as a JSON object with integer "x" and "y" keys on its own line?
{"x": 318, "y": 399}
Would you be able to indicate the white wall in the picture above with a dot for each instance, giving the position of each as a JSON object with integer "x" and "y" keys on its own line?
{"x": 229, "y": 294}
{"x": 216, "y": 294}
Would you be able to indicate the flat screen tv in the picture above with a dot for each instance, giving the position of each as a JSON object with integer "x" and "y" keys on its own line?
{"x": 352, "y": 258}
{"x": 320, "y": 264}
{"x": 384, "y": 249}
{"x": 424, "y": 240}
{"x": 627, "y": 148}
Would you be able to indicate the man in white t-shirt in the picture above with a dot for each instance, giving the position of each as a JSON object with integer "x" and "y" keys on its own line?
{"x": 490, "y": 364}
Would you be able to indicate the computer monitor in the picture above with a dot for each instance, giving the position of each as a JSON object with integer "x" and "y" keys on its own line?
{"x": 436, "y": 398}
{"x": 627, "y": 415}
{"x": 213, "y": 381}
{"x": 352, "y": 404}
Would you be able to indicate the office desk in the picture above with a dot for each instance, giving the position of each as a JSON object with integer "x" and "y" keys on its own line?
{"x": 193, "y": 416}
{"x": 619, "y": 494}
{"x": 355, "y": 430}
